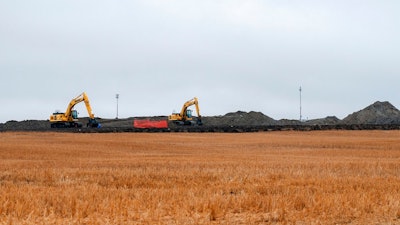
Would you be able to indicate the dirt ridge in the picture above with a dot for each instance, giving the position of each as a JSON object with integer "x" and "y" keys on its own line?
{"x": 379, "y": 115}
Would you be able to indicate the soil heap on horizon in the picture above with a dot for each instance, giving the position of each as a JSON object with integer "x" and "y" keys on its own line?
{"x": 329, "y": 120}
{"x": 377, "y": 113}
{"x": 240, "y": 118}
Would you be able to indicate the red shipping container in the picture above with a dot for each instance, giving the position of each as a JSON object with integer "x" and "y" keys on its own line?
{"x": 150, "y": 124}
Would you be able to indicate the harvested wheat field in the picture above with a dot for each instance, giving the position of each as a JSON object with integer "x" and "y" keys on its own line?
{"x": 319, "y": 177}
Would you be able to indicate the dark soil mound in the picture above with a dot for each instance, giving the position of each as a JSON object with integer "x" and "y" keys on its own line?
{"x": 240, "y": 118}
{"x": 25, "y": 125}
{"x": 126, "y": 122}
{"x": 287, "y": 122}
{"x": 377, "y": 113}
{"x": 330, "y": 120}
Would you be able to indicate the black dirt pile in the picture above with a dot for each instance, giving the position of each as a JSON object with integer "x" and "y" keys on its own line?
{"x": 329, "y": 120}
{"x": 239, "y": 118}
{"x": 25, "y": 125}
{"x": 128, "y": 122}
{"x": 286, "y": 122}
{"x": 377, "y": 113}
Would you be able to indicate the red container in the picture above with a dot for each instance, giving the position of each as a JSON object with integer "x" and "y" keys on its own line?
{"x": 150, "y": 124}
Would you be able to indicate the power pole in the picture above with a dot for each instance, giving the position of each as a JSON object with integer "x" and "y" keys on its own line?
{"x": 117, "y": 97}
{"x": 300, "y": 103}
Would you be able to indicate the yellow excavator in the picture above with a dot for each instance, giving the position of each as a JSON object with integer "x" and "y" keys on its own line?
{"x": 70, "y": 117}
{"x": 184, "y": 117}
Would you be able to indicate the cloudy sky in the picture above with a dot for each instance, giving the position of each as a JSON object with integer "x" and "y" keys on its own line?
{"x": 232, "y": 54}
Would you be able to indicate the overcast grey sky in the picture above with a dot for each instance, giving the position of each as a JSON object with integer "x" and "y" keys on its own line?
{"x": 233, "y": 55}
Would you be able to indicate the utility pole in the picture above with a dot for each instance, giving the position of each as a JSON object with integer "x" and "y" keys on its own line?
{"x": 117, "y": 97}
{"x": 300, "y": 103}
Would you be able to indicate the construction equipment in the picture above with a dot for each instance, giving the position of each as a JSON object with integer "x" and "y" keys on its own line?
{"x": 184, "y": 117}
{"x": 70, "y": 117}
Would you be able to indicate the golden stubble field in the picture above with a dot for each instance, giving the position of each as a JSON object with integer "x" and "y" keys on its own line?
{"x": 327, "y": 177}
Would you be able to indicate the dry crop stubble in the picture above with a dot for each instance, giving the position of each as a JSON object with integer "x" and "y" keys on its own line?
{"x": 329, "y": 177}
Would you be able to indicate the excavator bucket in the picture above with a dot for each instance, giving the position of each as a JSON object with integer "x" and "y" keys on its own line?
{"x": 92, "y": 123}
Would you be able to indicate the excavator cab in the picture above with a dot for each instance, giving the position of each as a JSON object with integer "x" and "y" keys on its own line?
{"x": 189, "y": 113}
{"x": 74, "y": 114}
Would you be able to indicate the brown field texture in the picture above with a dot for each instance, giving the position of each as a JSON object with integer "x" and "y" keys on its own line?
{"x": 319, "y": 177}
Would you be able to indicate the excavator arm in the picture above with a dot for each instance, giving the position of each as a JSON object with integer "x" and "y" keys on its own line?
{"x": 87, "y": 104}
{"x": 80, "y": 98}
